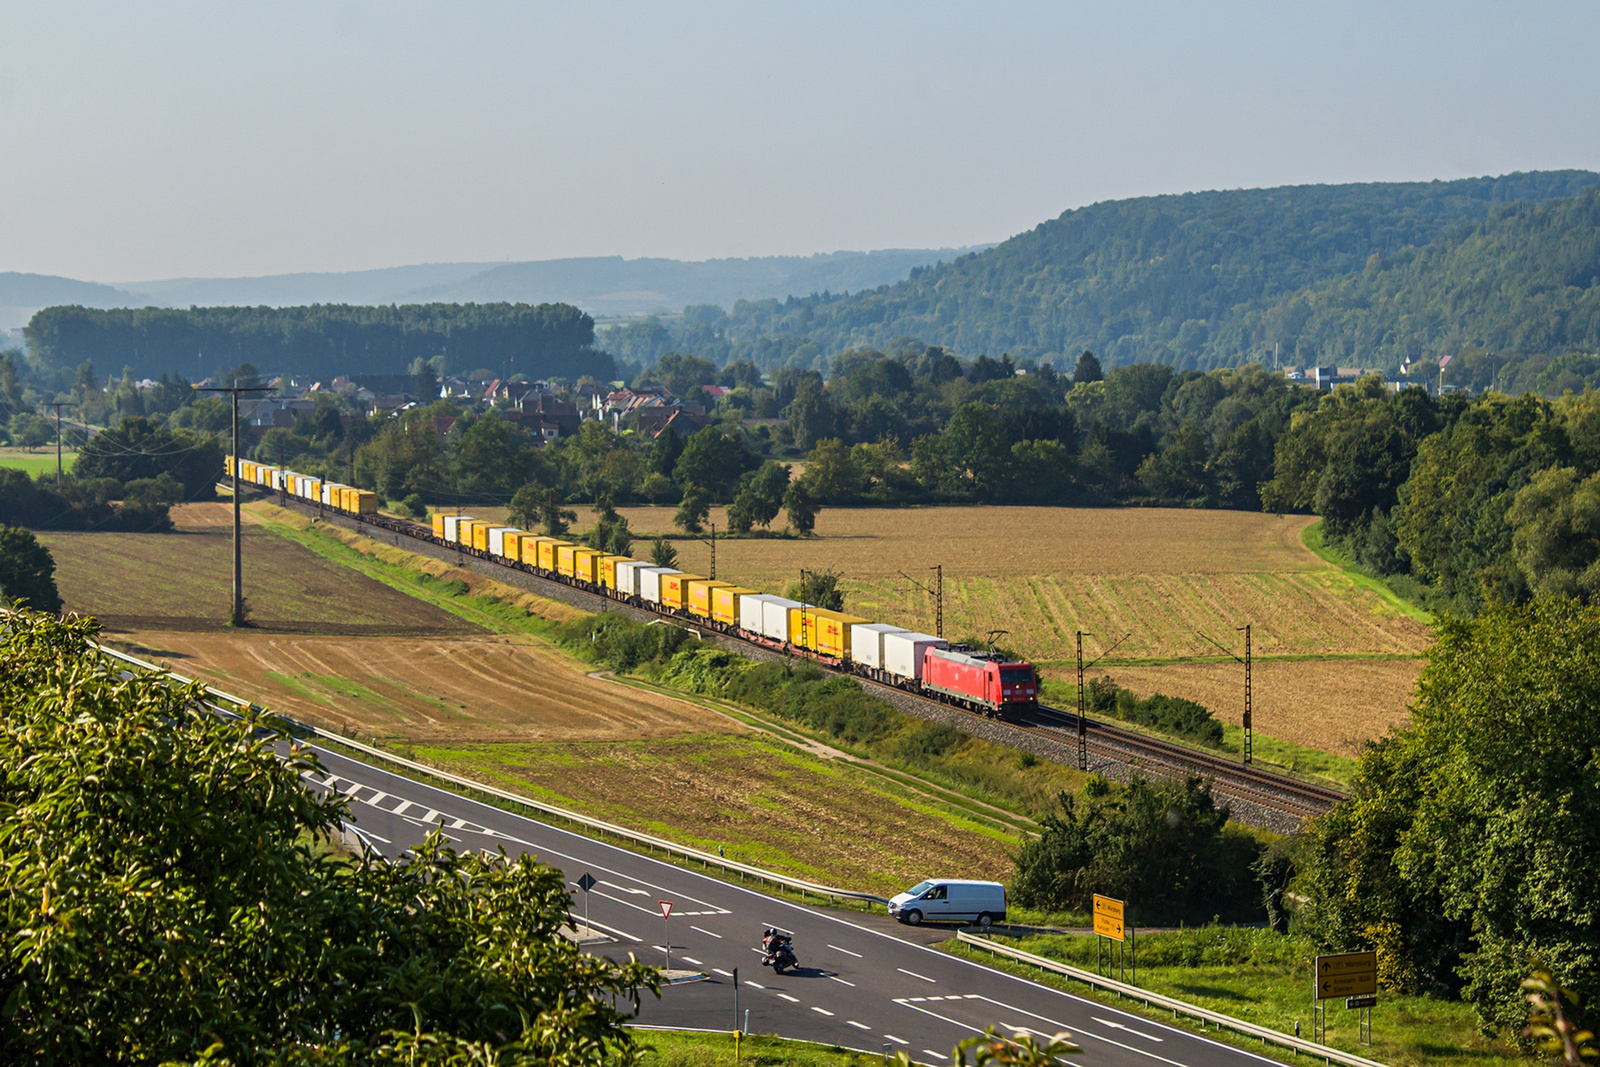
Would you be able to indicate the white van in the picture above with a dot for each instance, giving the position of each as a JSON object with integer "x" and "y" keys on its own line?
{"x": 950, "y": 900}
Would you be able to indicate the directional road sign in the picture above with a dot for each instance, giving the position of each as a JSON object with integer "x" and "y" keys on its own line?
{"x": 586, "y": 882}
{"x": 1360, "y": 1002}
{"x": 1108, "y": 917}
{"x": 1349, "y": 974}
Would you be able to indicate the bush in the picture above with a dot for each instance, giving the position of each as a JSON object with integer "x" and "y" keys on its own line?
{"x": 927, "y": 741}
{"x": 27, "y": 570}
{"x": 414, "y": 506}
{"x": 1172, "y": 715}
{"x": 1163, "y": 846}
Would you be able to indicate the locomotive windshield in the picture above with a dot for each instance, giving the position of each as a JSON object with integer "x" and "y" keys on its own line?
{"x": 1016, "y": 676}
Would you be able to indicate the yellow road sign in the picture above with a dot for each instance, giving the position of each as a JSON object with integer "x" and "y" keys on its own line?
{"x": 1349, "y": 974}
{"x": 1108, "y": 917}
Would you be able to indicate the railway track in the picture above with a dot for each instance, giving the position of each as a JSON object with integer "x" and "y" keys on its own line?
{"x": 1269, "y": 790}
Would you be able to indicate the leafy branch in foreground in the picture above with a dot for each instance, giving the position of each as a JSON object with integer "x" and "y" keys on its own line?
{"x": 1548, "y": 1027}
{"x": 163, "y": 898}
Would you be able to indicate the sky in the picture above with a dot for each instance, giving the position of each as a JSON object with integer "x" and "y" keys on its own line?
{"x": 152, "y": 140}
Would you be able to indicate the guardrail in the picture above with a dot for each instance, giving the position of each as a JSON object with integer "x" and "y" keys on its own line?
{"x": 650, "y": 842}
{"x": 1177, "y": 1007}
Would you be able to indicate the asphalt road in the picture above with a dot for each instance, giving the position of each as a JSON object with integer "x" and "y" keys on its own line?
{"x": 864, "y": 982}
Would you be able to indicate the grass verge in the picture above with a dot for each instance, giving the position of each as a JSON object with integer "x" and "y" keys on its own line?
{"x": 1266, "y": 978}
{"x": 1312, "y": 538}
{"x": 682, "y": 1048}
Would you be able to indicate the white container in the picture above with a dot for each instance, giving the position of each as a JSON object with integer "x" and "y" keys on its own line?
{"x": 751, "y": 607}
{"x": 866, "y": 641}
{"x": 902, "y": 652}
{"x": 775, "y": 617}
{"x": 329, "y": 490}
{"x": 497, "y": 539}
{"x": 650, "y": 582}
{"x": 452, "y": 526}
{"x": 278, "y": 477}
{"x": 628, "y": 576}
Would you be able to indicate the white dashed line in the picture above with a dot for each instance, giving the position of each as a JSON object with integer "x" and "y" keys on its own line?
{"x": 725, "y": 974}
{"x": 1128, "y": 1029}
{"x": 930, "y": 1052}
{"x": 754, "y": 985}
{"x": 691, "y": 959}
{"x": 841, "y": 981}
{"x": 822, "y": 1011}
{"x": 791, "y": 1000}
{"x": 914, "y": 974}
{"x": 708, "y": 933}
{"x": 846, "y": 951}
{"x": 897, "y": 1040}
{"x": 859, "y": 1026}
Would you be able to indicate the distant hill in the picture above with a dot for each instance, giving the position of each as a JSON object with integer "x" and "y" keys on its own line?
{"x": 600, "y": 285}
{"x": 1197, "y": 280}
{"x": 23, "y": 294}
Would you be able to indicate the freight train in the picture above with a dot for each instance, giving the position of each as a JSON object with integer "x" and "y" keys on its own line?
{"x": 980, "y": 681}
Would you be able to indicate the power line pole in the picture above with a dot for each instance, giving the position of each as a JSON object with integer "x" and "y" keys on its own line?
{"x": 1083, "y": 719}
{"x": 58, "y": 405}
{"x": 237, "y": 617}
{"x": 1249, "y": 746}
{"x": 937, "y": 592}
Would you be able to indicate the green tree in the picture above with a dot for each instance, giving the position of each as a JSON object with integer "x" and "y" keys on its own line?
{"x": 27, "y": 570}
{"x": 693, "y": 510}
{"x": 662, "y": 554}
{"x": 818, "y": 588}
{"x": 1556, "y": 519}
{"x": 810, "y": 413}
{"x": 611, "y": 533}
{"x": 1087, "y": 370}
{"x": 1163, "y": 845}
{"x": 1471, "y": 839}
{"x": 712, "y": 461}
{"x": 802, "y": 510}
{"x": 760, "y": 497}
{"x": 29, "y": 430}
{"x": 140, "y": 448}
{"x": 831, "y": 475}
{"x": 149, "y": 923}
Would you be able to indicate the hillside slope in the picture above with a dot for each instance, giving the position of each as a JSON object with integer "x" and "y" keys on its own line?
{"x": 1165, "y": 278}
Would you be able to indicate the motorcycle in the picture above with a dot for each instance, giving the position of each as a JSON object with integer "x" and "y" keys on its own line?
{"x": 779, "y": 951}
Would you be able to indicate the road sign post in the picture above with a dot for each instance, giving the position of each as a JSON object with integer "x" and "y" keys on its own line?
{"x": 666, "y": 913}
{"x": 1349, "y": 975}
{"x": 736, "y": 1009}
{"x": 1113, "y": 937}
{"x": 586, "y": 882}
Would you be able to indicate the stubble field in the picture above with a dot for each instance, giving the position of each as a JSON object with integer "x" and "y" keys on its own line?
{"x": 1165, "y": 583}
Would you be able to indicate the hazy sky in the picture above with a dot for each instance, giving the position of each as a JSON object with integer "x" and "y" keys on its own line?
{"x": 145, "y": 140}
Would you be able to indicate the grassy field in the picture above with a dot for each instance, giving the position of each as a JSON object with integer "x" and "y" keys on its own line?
{"x": 36, "y": 461}
{"x": 1336, "y": 656}
{"x": 677, "y": 1048}
{"x": 183, "y": 581}
{"x": 1266, "y": 979}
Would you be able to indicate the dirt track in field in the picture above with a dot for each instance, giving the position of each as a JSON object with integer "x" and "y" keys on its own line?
{"x": 478, "y": 689}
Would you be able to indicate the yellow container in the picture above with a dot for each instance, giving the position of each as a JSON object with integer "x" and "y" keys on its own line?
{"x": 823, "y": 631}
{"x": 583, "y": 564}
{"x": 566, "y": 558}
{"x": 725, "y": 603}
{"x": 550, "y": 552}
{"x": 699, "y": 596}
{"x": 366, "y": 502}
{"x": 438, "y": 525}
{"x": 605, "y": 570}
{"x": 675, "y": 589}
{"x": 529, "y": 544}
{"x": 480, "y": 536}
{"x": 511, "y": 545}
{"x": 315, "y": 496}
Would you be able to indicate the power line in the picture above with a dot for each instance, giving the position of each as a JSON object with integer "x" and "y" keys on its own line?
{"x": 234, "y": 390}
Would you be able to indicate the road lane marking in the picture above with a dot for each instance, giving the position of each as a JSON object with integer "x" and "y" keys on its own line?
{"x": 822, "y": 1011}
{"x": 930, "y": 1052}
{"x": 897, "y": 1040}
{"x": 627, "y": 889}
{"x": 846, "y": 951}
{"x": 754, "y": 985}
{"x": 725, "y": 974}
{"x": 841, "y": 981}
{"x": 914, "y": 974}
{"x": 1122, "y": 1026}
{"x": 404, "y": 804}
{"x": 858, "y": 1026}
{"x": 791, "y": 1000}
{"x": 613, "y": 931}
{"x": 708, "y": 933}
{"x": 690, "y": 959}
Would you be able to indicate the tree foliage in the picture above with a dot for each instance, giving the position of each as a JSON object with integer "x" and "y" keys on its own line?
{"x": 27, "y": 571}
{"x": 1471, "y": 840}
{"x": 162, "y": 899}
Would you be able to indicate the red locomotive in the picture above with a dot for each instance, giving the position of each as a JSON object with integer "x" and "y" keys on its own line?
{"x": 982, "y": 681}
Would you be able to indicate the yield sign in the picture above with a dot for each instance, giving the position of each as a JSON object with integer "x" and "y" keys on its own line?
{"x": 666, "y": 908}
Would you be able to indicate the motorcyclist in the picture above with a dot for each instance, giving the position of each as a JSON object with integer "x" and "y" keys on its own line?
{"x": 778, "y": 949}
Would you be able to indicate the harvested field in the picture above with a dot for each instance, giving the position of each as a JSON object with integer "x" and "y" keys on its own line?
{"x": 183, "y": 580}
{"x": 411, "y": 689}
{"x": 769, "y": 806}
{"x": 1333, "y": 705}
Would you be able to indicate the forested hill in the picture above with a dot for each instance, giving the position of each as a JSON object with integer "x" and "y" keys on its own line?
{"x": 545, "y": 340}
{"x": 1197, "y": 280}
